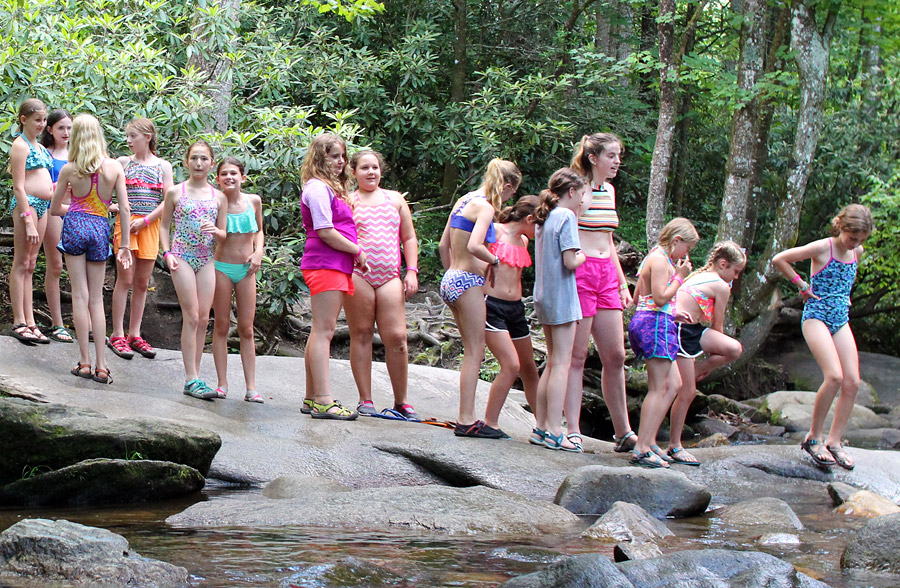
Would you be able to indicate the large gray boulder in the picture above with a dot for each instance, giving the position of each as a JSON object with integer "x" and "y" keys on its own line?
{"x": 793, "y": 410}
{"x": 591, "y": 570}
{"x": 887, "y": 438}
{"x": 876, "y": 546}
{"x": 453, "y": 511}
{"x": 65, "y": 551}
{"x": 773, "y": 514}
{"x": 104, "y": 481}
{"x": 662, "y": 493}
{"x": 53, "y": 436}
{"x": 627, "y": 522}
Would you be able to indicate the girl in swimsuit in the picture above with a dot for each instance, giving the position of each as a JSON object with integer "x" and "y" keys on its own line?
{"x": 653, "y": 334}
{"x": 90, "y": 178}
{"x": 238, "y": 256}
{"x": 468, "y": 263}
{"x": 198, "y": 211}
{"x": 329, "y": 256}
{"x": 383, "y": 225}
{"x": 148, "y": 178}
{"x": 826, "y": 327}
{"x": 557, "y": 255}
{"x": 602, "y": 291}
{"x": 29, "y": 164}
{"x": 56, "y": 140}
{"x": 507, "y": 333}
{"x": 702, "y": 300}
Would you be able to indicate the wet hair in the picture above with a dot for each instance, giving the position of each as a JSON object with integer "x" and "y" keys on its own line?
{"x": 87, "y": 146}
{"x": 230, "y": 161}
{"x": 524, "y": 206}
{"x": 56, "y": 115}
{"x": 28, "y": 107}
{"x": 559, "y": 185}
{"x": 730, "y": 251}
{"x": 853, "y": 218}
{"x": 315, "y": 164}
{"x": 199, "y": 143}
{"x": 677, "y": 227}
{"x": 145, "y": 126}
{"x": 499, "y": 172}
{"x": 354, "y": 160}
{"x": 592, "y": 145}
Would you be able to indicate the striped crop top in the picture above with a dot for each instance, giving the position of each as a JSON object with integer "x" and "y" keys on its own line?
{"x": 145, "y": 186}
{"x": 601, "y": 215}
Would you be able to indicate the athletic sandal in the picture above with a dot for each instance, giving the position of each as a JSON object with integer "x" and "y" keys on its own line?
{"x": 321, "y": 411}
{"x": 818, "y": 452}
{"x": 59, "y": 334}
{"x": 407, "y": 412}
{"x": 680, "y": 456}
{"x": 23, "y": 334}
{"x": 648, "y": 460}
{"x": 40, "y": 337}
{"x": 197, "y": 388}
{"x": 102, "y": 376}
{"x": 662, "y": 455}
{"x": 626, "y": 443}
{"x": 306, "y": 407}
{"x": 555, "y": 442}
{"x": 480, "y": 430}
{"x": 366, "y": 408}
{"x": 537, "y": 436}
{"x": 220, "y": 393}
{"x": 841, "y": 457}
{"x": 79, "y": 370}
{"x": 576, "y": 440}
{"x": 120, "y": 347}
{"x": 142, "y": 347}
{"x": 252, "y": 396}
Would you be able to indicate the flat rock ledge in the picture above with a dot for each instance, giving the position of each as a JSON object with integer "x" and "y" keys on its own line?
{"x": 65, "y": 551}
{"x": 454, "y": 511}
{"x": 876, "y": 546}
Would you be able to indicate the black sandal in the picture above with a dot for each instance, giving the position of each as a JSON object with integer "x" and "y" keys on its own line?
{"x": 106, "y": 378}
{"x": 23, "y": 334}
{"x": 841, "y": 457}
{"x": 39, "y": 337}
{"x": 816, "y": 451}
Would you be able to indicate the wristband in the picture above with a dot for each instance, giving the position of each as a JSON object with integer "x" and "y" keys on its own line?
{"x": 623, "y": 286}
{"x": 146, "y": 221}
{"x": 166, "y": 254}
{"x": 677, "y": 278}
{"x": 123, "y": 247}
{"x": 796, "y": 279}
{"x": 496, "y": 261}
{"x": 412, "y": 269}
{"x": 24, "y": 214}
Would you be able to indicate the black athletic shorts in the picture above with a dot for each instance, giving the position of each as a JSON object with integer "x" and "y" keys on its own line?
{"x": 506, "y": 315}
{"x": 689, "y": 335}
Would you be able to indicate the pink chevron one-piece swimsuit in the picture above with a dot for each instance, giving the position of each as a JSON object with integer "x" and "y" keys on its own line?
{"x": 378, "y": 229}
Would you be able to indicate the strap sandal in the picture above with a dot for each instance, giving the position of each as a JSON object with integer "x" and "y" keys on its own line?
{"x": 407, "y": 411}
{"x": 197, "y": 388}
{"x": 680, "y": 456}
{"x": 537, "y": 436}
{"x": 102, "y": 376}
{"x": 366, "y": 408}
{"x": 306, "y": 407}
{"x": 841, "y": 457}
{"x": 818, "y": 452}
{"x": 576, "y": 440}
{"x": 39, "y": 337}
{"x": 555, "y": 442}
{"x": 322, "y": 411}
{"x": 662, "y": 455}
{"x": 82, "y": 370}
{"x": 389, "y": 414}
{"x": 138, "y": 344}
{"x": 120, "y": 347}
{"x": 626, "y": 443}
{"x": 648, "y": 459}
{"x": 222, "y": 392}
{"x": 479, "y": 430}
{"x": 59, "y": 334}
{"x": 23, "y": 334}
{"x": 252, "y": 396}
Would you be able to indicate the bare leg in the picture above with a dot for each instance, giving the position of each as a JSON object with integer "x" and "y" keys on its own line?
{"x": 245, "y": 299}
{"x": 96, "y": 274}
{"x": 823, "y": 348}
{"x": 206, "y": 290}
{"x": 124, "y": 282}
{"x": 845, "y": 344}
{"x": 325, "y": 309}
{"x": 720, "y": 349}
{"x": 469, "y": 312}
{"x": 503, "y": 349}
{"x": 143, "y": 269}
{"x": 54, "y": 269}
{"x": 76, "y": 266}
{"x": 575, "y": 381}
{"x": 221, "y": 326}
{"x": 185, "y": 282}
{"x": 556, "y": 374}
{"x": 661, "y": 390}
{"x": 390, "y": 314}
{"x": 360, "y": 312}
{"x": 609, "y": 337}
{"x": 682, "y": 403}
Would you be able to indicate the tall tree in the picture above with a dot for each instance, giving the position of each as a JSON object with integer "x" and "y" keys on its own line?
{"x": 457, "y": 88}
{"x": 212, "y": 35}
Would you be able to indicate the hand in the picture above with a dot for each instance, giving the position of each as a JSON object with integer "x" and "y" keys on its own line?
{"x": 255, "y": 260}
{"x": 683, "y": 267}
{"x": 114, "y": 208}
{"x": 31, "y": 232}
{"x": 490, "y": 274}
{"x": 410, "y": 284}
{"x": 808, "y": 293}
{"x": 208, "y": 227}
{"x": 359, "y": 261}
{"x": 171, "y": 262}
{"x": 683, "y": 316}
{"x": 123, "y": 256}
{"x": 137, "y": 225}
{"x": 625, "y": 296}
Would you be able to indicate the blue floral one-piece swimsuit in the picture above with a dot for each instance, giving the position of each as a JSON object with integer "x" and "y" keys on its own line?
{"x": 832, "y": 284}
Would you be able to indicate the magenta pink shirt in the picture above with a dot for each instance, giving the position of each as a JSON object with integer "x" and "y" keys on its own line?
{"x": 322, "y": 209}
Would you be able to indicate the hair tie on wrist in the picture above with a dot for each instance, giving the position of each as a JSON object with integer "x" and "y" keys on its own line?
{"x": 412, "y": 269}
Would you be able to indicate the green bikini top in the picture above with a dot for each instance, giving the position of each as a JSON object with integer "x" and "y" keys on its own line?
{"x": 243, "y": 222}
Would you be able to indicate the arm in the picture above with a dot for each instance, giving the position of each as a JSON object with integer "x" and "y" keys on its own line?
{"x": 169, "y": 202}
{"x": 138, "y": 224}
{"x": 662, "y": 288}
{"x": 17, "y": 155}
{"x": 572, "y": 258}
{"x": 444, "y": 246}
{"x": 123, "y": 254}
{"x": 483, "y": 219}
{"x": 624, "y": 293}
{"x": 255, "y": 259}
{"x": 723, "y": 293}
{"x": 219, "y": 229}
{"x": 410, "y": 245}
{"x": 783, "y": 261}
{"x": 57, "y": 208}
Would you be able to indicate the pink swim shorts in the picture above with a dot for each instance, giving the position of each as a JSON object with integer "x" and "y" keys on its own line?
{"x": 598, "y": 286}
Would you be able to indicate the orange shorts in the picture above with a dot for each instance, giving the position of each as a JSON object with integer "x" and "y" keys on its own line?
{"x": 328, "y": 280}
{"x": 145, "y": 242}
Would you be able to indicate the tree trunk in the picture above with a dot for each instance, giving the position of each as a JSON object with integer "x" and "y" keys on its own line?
{"x": 207, "y": 57}
{"x": 744, "y": 131}
{"x": 457, "y": 89}
{"x": 603, "y": 41}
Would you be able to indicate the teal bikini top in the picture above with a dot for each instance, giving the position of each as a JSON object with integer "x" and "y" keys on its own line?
{"x": 36, "y": 157}
{"x": 242, "y": 222}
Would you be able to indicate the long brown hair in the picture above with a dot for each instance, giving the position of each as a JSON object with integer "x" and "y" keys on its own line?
{"x": 853, "y": 218}
{"x": 28, "y": 107}
{"x": 524, "y": 206}
{"x": 727, "y": 250}
{"x": 592, "y": 145}
{"x": 145, "y": 126}
{"x": 315, "y": 164}
{"x": 56, "y": 115}
{"x": 559, "y": 185}
{"x": 499, "y": 172}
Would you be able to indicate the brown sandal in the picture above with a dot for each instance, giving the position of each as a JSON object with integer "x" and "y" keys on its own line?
{"x": 103, "y": 376}
{"x": 841, "y": 457}
{"x": 78, "y": 370}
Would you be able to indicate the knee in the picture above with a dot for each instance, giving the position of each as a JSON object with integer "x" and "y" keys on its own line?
{"x": 734, "y": 351}
{"x": 124, "y": 280}
{"x": 54, "y": 267}
{"x": 833, "y": 379}
{"x": 221, "y": 327}
{"x": 137, "y": 286}
{"x": 363, "y": 333}
{"x": 245, "y": 331}
{"x": 850, "y": 385}
{"x": 579, "y": 357}
{"x": 512, "y": 366}
{"x": 190, "y": 318}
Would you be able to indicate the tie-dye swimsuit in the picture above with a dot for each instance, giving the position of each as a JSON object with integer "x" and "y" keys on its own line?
{"x": 85, "y": 228}
{"x": 189, "y": 242}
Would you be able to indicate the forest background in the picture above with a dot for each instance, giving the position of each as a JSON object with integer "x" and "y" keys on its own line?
{"x": 756, "y": 119}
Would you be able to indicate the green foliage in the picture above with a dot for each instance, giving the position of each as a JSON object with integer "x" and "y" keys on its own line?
{"x": 32, "y": 471}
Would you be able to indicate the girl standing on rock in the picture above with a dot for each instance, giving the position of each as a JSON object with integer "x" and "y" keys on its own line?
{"x": 826, "y": 327}
{"x": 198, "y": 211}
{"x": 653, "y": 334}
{"x": 507, "y": 333}
{"x": 56, "y": 140}
{"x": 602, "y": 291}
{"x": 147, "y": 178}
{"x": 90, "y": 178}
{"x": 384, "y": 225}
{"x": 703, "y": 299}
{"x": 238, "y": 256}
{"x": 468, "y": 264}
{"x": 30, "y": 164}
{"x": 558, "y": 254}
{"x": 329, "y": 256}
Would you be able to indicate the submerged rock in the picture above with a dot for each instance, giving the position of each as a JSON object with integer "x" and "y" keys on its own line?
{"x": 662, "y": 493}
{"x": 591, "y": 570}
{"x": 349, "y": 571}
{"x": 627, "y": 522}
{"x": 876, "y": 546}
{"x": 778, "y": 539}
{"x": 867, "y": 504}
{"x": 104, "y": 481}
{"x": 61, "y": 550}
{"x": 300, "y": 486}
{"x": 772, "y": 513}
{"x": 714, "y": 440}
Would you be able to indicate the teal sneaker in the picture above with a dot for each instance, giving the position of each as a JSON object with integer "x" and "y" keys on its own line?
{"x": 199, "y": 389}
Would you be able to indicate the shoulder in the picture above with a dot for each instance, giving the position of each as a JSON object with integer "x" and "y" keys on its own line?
{"x": 123, "y": 160}
{"x": 254, "y": 199}
{"x": 396, "y": 197}
{"x": 316, "y": 187}
{"x": 611, "y": 190}
{"x": 111, "y": 166}
{"x": 19, "y": 146}
{"x": 173, "y": 192}
{"x": 164, "y": 164}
